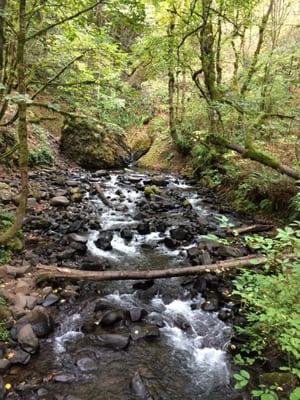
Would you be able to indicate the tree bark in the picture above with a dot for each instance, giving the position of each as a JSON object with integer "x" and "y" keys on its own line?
{"x": 258, "y": 156}
{"x": 52, "y": 272}
{"x": 2, "y": 37}
{"x": 22, "y": 128}
{"x": 171, "y": 78}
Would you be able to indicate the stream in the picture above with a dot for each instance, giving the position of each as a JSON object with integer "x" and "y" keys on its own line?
{"x": 163, "y": 340}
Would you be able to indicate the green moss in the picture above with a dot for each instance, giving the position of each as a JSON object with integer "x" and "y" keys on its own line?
{"x": 150, "y": 190}
{"x": 262, "y": 157}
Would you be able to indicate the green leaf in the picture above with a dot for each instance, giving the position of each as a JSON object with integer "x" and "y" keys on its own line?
{"x": 269, "y": 396}
{"x": 295, "y": 395}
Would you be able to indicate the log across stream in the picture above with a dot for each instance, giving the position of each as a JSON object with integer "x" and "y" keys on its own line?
{"x": 136, "y": 339}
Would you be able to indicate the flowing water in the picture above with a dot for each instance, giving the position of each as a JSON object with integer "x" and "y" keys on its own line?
{"x": 188, "y": 361}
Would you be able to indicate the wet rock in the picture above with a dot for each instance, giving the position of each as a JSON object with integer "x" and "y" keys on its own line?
{"x": 27, "y": 339}
{"x": 94, "y": 264}
{"x": 60, "y": 201}
{"x": 101, "y": 306}
{"x": 160, "y": 226}
{"x": 126, "y": 234}
{"x": 2, "y": 389}
{"x": 104, "y": 240}
{"x": 42, "y": 392}
{"x": 80, "y": 248}
{"x": 20, "y": 357}
{"x": 158, "y": 180}
{"x": 50, "y": 300}
{"x": 138, "y": 387}
{"x": 137, "y": 314}
{"x": 42, "y": 323}
{"x": 143, "y": 228}
{"x": 86, "y": 364}
{"x": 193, "y": 252}
{"x": 66, "y": 254}
{"x": 229, "y": 252}
{"x": 64, "y": 378}
{"x": 4, "y": 365}
{"x": 111, "y": 318}
{"x": 211, "y": 304}
{"x": 148, "y": 332}
{"x": 71, "y": 397}
{"x": 180, "y": 234}
{"x": 75, "y": 237}
{"x": 170, "y": 243}
{"x": 114, "y": 341}
{"x": 143, "y": 285}
{"x": 89, "y": 326}
{"x": 224, "y": 314}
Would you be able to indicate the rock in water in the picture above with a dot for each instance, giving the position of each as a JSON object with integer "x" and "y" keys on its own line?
{"x": 138, "y": 387}
{"x": 114, "y": 341}
{"x": 111, "y": 317}
{"x": 94, "y": 146}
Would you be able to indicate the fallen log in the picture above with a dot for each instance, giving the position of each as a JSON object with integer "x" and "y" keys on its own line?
{"x": 102, "y": 196}
{"x": 250, "y": 229}
{"x": 52, "y": 272}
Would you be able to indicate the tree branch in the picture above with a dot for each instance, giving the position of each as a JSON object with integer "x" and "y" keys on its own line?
{"x": 62, "y": 21}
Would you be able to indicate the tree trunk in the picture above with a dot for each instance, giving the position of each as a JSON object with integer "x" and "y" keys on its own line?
{"x": 51, "y": 272}
{"x": 2, "y": 37}
{"x": 171, "y": 77}
{"x": 258, "y": 156}
{"x": 22, "y": 129}
{"x": 260, "y": 42}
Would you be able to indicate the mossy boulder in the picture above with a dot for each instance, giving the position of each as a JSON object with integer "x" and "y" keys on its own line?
{"x": 94, "y": 146}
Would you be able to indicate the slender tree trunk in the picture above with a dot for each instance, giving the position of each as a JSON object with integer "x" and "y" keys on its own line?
{"x": 22, "y": 128}
{"x": 218, "y": 55}
{"x": 259, "y": 45}
{"x": 171, "y": 77}
{"x": 2, "y": 36}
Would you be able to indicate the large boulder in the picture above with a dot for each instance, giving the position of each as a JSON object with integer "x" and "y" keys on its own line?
{"x": 94, "y": 146}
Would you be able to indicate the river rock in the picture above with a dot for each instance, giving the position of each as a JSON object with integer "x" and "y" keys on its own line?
{"x": 50, "y": 300}
{"x": 286, "y": 380}
{"x": 2, "y": 389}
{"x": 4, "y": 365}
{"x": 75, "y": 237}
{"x": 27, "y": 339}
{"x": 64, "y": 378}
{"x": 148, "y": 332}
{"x": 110, "y": 318}
{"x": 137, "y": 314}
{"x": 138, "y": 387}
{"x": 86, "y": 364}
{"x": 60, "y": 201}
{"x": 20, "y": 357}
{"x": 114, "y": 341}
{"x": 170, "y": 243}
{"x": 126, "y": 234}
{"x": 229, "y": 252}
{"x": 180, "y": 234}
{"x": 41, "y": 321}
{"x": 143, "y": 228}
{"x": 66, "y": 254}
{"x": 104, "y": 240}
{"x": 211, "y": 304}
{"x": 89, "y": 326}
{"x": 158, "y": 180}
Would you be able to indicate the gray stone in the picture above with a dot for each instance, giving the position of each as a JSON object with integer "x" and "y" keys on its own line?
{"x": 60, "y": 201}
{"x": 50, "y": 300}
{"x": 86, "y": 364}
{"x": 27, "y": 339}
{"x": 4, "y": 365}
{"x": 114, "y": 341}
